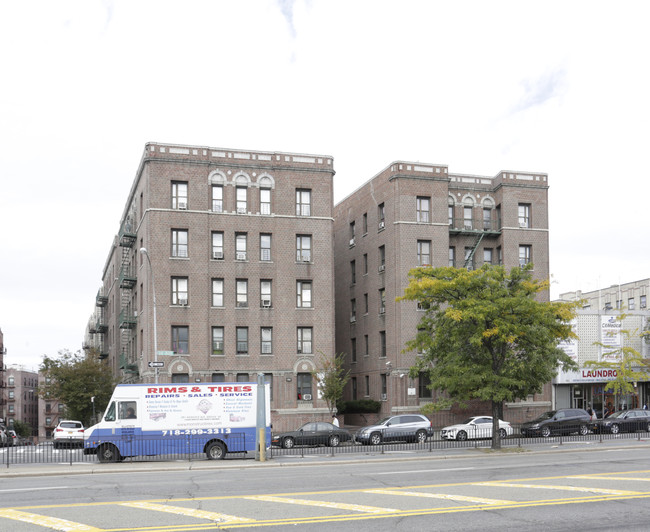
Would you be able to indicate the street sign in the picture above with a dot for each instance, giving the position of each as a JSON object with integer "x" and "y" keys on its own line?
{"x": 156, "y": 364}
{"x": 165, "y": 353}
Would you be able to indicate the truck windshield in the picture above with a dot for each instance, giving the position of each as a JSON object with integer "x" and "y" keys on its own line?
{"x": 110, "y": 413}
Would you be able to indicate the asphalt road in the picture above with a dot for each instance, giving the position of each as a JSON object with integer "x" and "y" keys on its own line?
{"x": 583, "y": 486}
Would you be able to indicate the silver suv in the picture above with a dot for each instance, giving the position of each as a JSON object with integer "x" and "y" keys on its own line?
{"x": 405, "y": 427}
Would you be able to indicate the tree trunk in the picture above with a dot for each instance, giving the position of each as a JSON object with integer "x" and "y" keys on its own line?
{"x": 497, "y": 407}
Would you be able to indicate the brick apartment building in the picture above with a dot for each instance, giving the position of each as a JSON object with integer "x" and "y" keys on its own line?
{"x": 413, "y": 214}
{"x": 22, "y": 397}
{"x": 3, "y": 380}
{"x": 239, "y": 253}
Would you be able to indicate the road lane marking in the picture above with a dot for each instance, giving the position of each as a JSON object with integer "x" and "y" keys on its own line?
{"x": 189, "y": 512}
{"x": 35, "y": 489}
{"x": 53, "y": 523}
{"x": 603, "y": 477}
{"x": 444, "y": 496}
{"x": 321, "y": 504}
{"x": 605, "y": 491}
{"x": 424, "y": 471}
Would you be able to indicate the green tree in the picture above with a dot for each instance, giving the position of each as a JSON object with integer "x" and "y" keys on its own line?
{"x": 629, "y": 364}
{"x": 73, "y": 379}
{"x": 22, "y": 428}
{"x": 331, "y": 378}
{"x": 485, "y": 335}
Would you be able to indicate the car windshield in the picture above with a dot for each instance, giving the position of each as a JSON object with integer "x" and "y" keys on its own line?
{"x": 546, "y": 415}
{"x": 620, "y": 413}
{"x": 467, "y": 421}
{"x": 384, "y": 421}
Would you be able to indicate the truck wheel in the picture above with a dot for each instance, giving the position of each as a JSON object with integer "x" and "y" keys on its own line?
{"x": 108, "y": 453}
{"x": 216, "y": 451}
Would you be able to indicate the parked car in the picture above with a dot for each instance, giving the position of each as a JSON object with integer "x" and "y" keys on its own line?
{"x": 406, "y": 427}
{"x": 314, "y": 433}
{"x": 474, "y": 428}
{"x": 563, "y": 421}
{"x": 623, "y": 421}
{"x": 11, "y": 435}
{"x": 68, "y": 434}
{"x": 5, "y": 439}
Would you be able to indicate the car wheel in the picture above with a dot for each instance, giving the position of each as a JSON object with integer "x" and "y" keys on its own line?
{"x": 503, "y": 434}
{"x": 421, "y": 436}
{"x": 375, "y": 438}
{"x": 215, "y": 451}
{"x": 583, "y": 430}
{"x": 334, "y": 441}
{"x": 288, "y": 443}
{"x": 545, "y": 432}
{"x": 108, "y": 453}
{"x": 615, "y": 429}
{"x": 461, "y": 436}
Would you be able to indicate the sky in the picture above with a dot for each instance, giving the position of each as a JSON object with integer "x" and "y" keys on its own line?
{"x": 555, "y": 87}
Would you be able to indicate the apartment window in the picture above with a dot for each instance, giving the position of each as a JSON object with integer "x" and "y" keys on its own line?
{"x": 365, "y": 264}
{"x": 630, "y": 303}
{"x": 217, "y": 292}
{"x": 179, "y": 243}
{"x": 265, "y": 293}
{"x": 367, "y": 379}
{"x": 353, "y": 349}
{"x": 487, "y": 256}
{"x": 424, "y": 252}
{"x": 217, "y": 245}
{"x": 525, "y": 255}
{"x": 608, "y": 305}
{"x": 303, "y": 202}
{"x": 180, "y": 339}
{"x": 619, "y": 304}
{"x": 642, "y": 302}
{"x": 352, "y": 231}
{"x": 381, "y": 216}
{"x": 382, "y": 344}
{"x": 268, "y": 380}
{"x": 487, "y": 219}
{"x": 366, "y": 345}
{"x": 265, "y": 247}
{"x": 382, "y": 258}
{"x": 180, "y": 290}
{"x": 384, "y": 390}
{"x": 217, "y": 340}
{"x": 452, "y": 257}
{"x": 422, "y": 206}
{"x": 11, "y": 394}
{"x": 353, "y": 272}
{"x": 354, "y": 388}
{"x": 265, "y": 201}
{"x": 266, "y": 340}
{"x": 305, "y": 340}
{"x": 353, "y": 310}
{"x": 179, "y": 195}
{"x": 242, "y": 200}
{"x": 242, "y": 340}
{"x": 469, "y": 259}
{"x": 303, "y": 381}
{"x": 217, "y": 198}
{"x": 218, "y": 377}
{"x": 467, "y": 217}
{"x": 303, "y": 294}
{"x": 424, "y": 390}
{"x": 365, "y": 223}
{"x": 241, "y": 246}
{"x": 382, "y": 300}
{"x": 524, "y": 215}
{"x": 499, "y": 256}
{"x": 242, "y": 292}
{"x": 365, "y": 303}
{"x": 450, "y": 213}
{"x": 303, "y": 248}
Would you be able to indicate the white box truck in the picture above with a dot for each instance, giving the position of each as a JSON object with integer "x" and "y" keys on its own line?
{"x": 171, "y": 419}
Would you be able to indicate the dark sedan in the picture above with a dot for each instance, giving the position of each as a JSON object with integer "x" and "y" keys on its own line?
{"x": 314, "y": 433}
{"x": 623, "y": 421}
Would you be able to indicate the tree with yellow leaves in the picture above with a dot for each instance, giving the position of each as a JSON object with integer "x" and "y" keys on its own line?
{"x": 486, "y": 336}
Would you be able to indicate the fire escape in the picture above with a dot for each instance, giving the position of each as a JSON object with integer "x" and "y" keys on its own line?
{"x": 99, "y": 328}
{"x": 476, "y": 232}
{"x": 128, "y": 319}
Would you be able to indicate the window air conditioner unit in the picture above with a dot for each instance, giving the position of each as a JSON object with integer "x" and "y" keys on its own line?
{"x": 182, "y": 302}
{"x": 182, "y": 205}
{"x": 382, "y": 224}
{"x": 266, "y": 303}
{"x": 241, "y": 210}
{"x": 382, "y": 310}
{"x": 241, "y": 255}
{"x": 299, "y": 351}
{"x": 353, "y": 319}
{"x": 217, "y": 255}
{"x": 306, "y": 397}
{"x": 383, "y": 397}
{"x": 523, "y": 224}
{"x": 382, "y": 267}
{"x": 352, "y": 242}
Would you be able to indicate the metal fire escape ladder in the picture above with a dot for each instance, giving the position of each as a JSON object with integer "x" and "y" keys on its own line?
{"x": 128, "y": 319}
{"x": 470, "y": 258}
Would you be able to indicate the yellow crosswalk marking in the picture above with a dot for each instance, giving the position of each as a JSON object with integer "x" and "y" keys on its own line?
{"x": 321, "y": 504}
{"x": 444, "y": 496}
{"x": 189, "y": 512}
{"x": 603, "y": 477}
{"x": 551, "y": 487}
{"x": 53, "y": 523}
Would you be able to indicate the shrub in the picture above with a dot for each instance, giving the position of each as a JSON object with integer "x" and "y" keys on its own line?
{"x": 360, "y": 406}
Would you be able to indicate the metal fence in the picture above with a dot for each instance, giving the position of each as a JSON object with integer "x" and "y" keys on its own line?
{"x": 154, "y": 450}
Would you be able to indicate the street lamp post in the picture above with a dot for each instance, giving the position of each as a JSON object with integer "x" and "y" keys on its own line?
{"x": 153, "y": 291}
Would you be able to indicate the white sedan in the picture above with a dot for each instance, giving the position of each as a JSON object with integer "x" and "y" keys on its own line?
{"x": 474, "y": 428}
